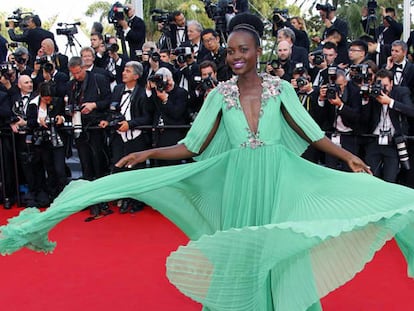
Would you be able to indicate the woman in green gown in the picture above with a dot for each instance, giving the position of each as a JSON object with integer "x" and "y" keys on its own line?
{"x": 268, "y": 230}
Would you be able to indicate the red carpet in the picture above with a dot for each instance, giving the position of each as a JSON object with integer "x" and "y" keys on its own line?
{"x": 118, "y": 263}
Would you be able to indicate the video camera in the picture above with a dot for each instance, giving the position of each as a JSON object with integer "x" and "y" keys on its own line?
{"x": 69, "y": 29}
{"x": 325, "y": 7}
{"x": 46, "y": 62}
{"x": 159, "y": 81}
{"x": 18, "y": 19}
{"x": 117, "y": 12}
{"x": 300, "y": 69}
{"x": 6, "y": 70}
{"x": 153, "y": 54}
{"x": 372, "y": 6}
{"x": 205, "y": 84}
{"x": 183, "y": 54}
{"x": 161, "y": 16}
{"x": 276, "y": 19}
{"x": 217, "y": 12}
{"x": 376, "y": 89}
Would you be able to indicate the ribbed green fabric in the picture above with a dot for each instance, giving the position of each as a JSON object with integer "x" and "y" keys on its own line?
{"x": 269, "y": 230}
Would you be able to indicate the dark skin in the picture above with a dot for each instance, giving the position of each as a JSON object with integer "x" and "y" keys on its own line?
{"x": 242, "y": 55}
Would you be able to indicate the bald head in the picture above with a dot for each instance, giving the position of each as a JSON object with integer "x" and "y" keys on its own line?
{"x": 25, "y": 84}
{"x": 284, "y": 50}
{"x": 48, "y": 46}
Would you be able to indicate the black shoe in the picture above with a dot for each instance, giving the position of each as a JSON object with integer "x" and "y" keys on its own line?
{"x": 7, "y": 204}
{"x": 124, "y": 206}
{"x": 136, "y": 207}
{"x": 94, "y": 210}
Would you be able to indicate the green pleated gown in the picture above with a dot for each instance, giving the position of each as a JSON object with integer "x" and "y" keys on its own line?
{"x": 268, "y": 230}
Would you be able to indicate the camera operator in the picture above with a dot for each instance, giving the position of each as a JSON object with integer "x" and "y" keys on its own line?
{"x": 208, "y": 72}
{"x": 33, "y": 35}
{"x": 168, "y": 105}
{"x": 116, "y": 64}
{"x": 128, "y": 111}
{"x": 284, "y": 66}
{"x": 299, "y": 54}
{"x": 378, "y": 53}
{"x": 187, "y": 67}
{"x": 327, "y": 12}
{"x": 61, "y": 61}
{"x": 8, "y": 78}
{"x": 389, "y": 31}
{"x": 29, "y": 164}
{"x": 44, "y": 116}
{"x": 134, "y": 31}
{"x": 357, "y": 52}
{"x": 217, "y": 53}
{"x": 319, "y": 61}
{"x": 386, "y": 113}
{"x": 340, "y": 106}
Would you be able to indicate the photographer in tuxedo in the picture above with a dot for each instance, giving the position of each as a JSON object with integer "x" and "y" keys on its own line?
{"x": 386, "y": 113}
{"x": 128, "y": 111}
{"x": 168, "y": 105}
{"x": 61, "y": 61}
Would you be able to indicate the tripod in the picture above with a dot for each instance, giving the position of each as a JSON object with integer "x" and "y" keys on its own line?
{"x": 70, "y": 44}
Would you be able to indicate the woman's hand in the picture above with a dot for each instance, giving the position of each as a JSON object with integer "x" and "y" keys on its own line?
{"x": 357, "y": 165}
{"x": 133, "y": 159}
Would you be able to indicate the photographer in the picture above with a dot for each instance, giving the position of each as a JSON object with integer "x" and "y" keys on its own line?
{"x": 168, "y": 105}
{"x": 194, "y": 30}
{"x": 134, "y": 31}
{"x": 98, "y": 45}
{"x": 297, "y": 25}
{"x": 178, "y": 29}
{"x": 33, "y": 35}
{"x": 217, "y": 53}
{"x": 299, "y": 54}
{"x": 20, "y": 57}
{"x": 29, "y": 163}
{"x": 319, "y": 61}
{"x": 3, "y": 48}
{"x": 128, "y": 111}
{"x": 88, "y": 58}
{"x": 339, "y": 106}
{"x": 116, "y": 64}
{"x": 61, "y": 61}
{"x": 386, "y": 113}
{"x": 284, "y": 66}
{"x": 44, "y": 116}
{"x": 327, "y": 12}
{"x": 389, "y": 31}
{"x": 378, "y": 53}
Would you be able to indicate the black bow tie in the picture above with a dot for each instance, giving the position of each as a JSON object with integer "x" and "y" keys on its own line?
{"x": 180, "y": 28}
{"x": 25, "y": 97}
{"x": 398, "y": 66}
{"x": 127, "y": 92}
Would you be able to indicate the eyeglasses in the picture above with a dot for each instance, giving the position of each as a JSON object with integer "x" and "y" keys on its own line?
{"x": 209, "y": 40}
{"x": 355, "y": 50}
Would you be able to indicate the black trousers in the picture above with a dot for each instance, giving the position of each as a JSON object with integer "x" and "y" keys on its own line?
{"x": 92, "y": 151}
{"x": 119, "y": 149}
{"x": 350, "y": 143}
{"x": 383, "y": 160}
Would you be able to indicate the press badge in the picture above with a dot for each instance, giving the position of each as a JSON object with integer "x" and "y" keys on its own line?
{"x": 336, "y": 139}
{"x": 384, "y": 138}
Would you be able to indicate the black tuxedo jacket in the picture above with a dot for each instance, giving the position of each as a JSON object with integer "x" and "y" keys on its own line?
{"x": 55, "y": 108}
{"x": 403, "y": 108}
{"x": 300, "y": 55}
{"x": 339, "y": 25}
{"x": 136, "y": 36}
{"x": 95, "y": 88}
{"x": 393, "y": 32}
{"x": 5, "y": 108}
{"x": 61, "y": 62}
{"x": 381, "y": 60}
{"x": 173, "y": 36}
{"x": 407, "y": 76}
{"x": 138, "y": 100}
{"x": 223, "y": 70}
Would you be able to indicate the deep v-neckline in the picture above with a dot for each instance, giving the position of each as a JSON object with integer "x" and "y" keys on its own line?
{"x": 255, "y": 123}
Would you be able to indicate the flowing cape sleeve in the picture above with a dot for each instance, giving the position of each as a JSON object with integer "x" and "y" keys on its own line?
{"x": 302, "y": 118}
{"x": 202, "y": 127}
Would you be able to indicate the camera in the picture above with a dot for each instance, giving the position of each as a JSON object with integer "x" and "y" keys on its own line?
{"x": 17, "y": 18}
{"x": 154, "y": 55}
{"x": 359, "y": 73}
{"x": 205, "y": 84}
{"x": 217, "y": 12}
{"x": 318, "y": 57}
{"x": 112, "y": 47}
{"x": 372, "y": 5}
{"x": 274, "y": 63}
{"x": 301, "y": 81}
{"x": 19, "y": 59}
{"x": 116, "y": 116}
{"x": 117, "y": 12}
{"x": 402, "y": 152}
{"x": 332, "y": 89}
{"x": 161, "y": 16}
{"x": 69, "y": 29}
{"x": 376, "y": 89}
{"x": 6, "y": 70}
{"x": 299, "y": 69}
{"x": 50, "y": 134}
{"x": 13, "y": 45}
{"x": 183, "y": 54}
{"x": 282, "y": 12}
{"x": 159, "y": 81}
{"x": 46, "y": 63}
{"x": 325, "y": 7}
